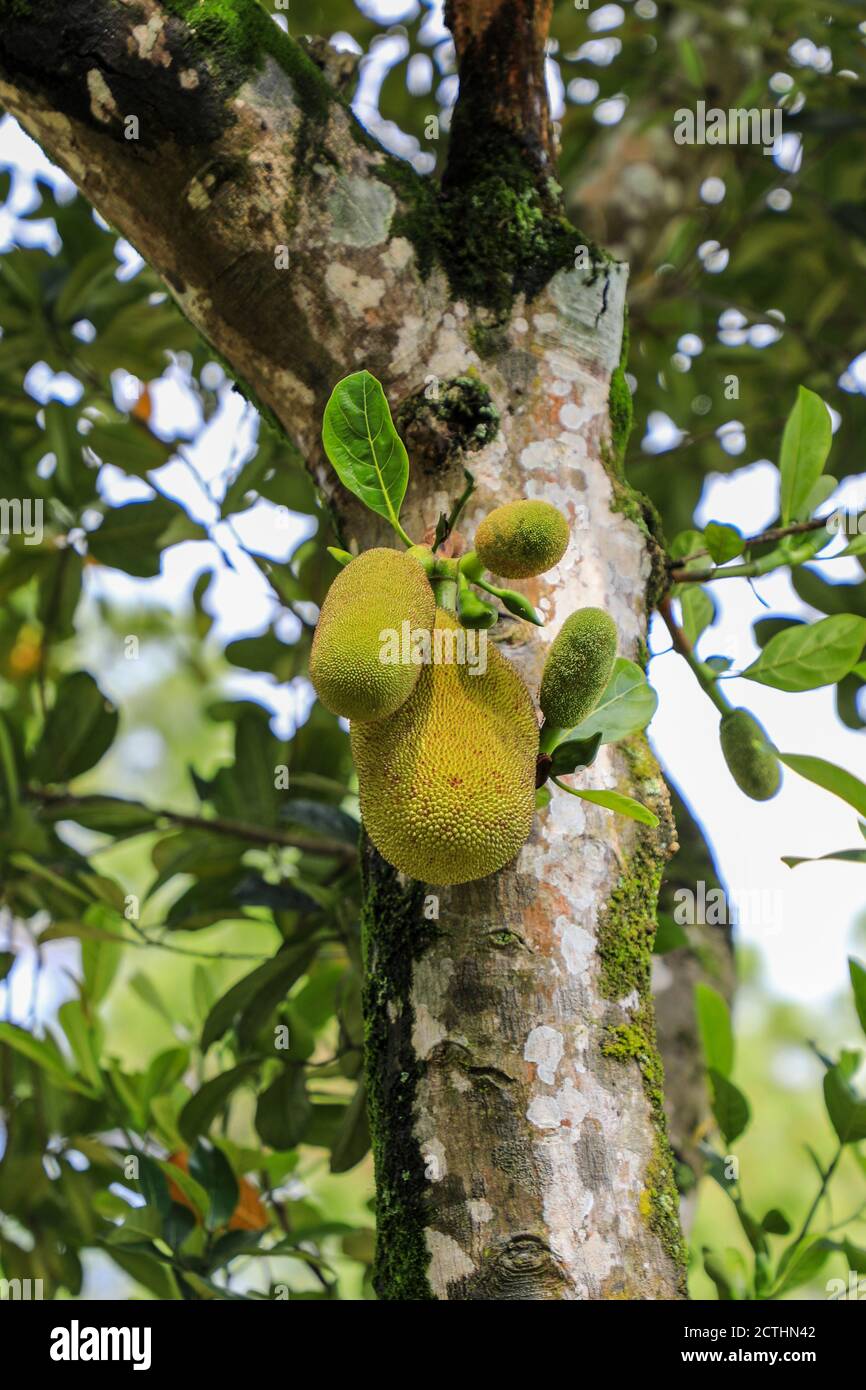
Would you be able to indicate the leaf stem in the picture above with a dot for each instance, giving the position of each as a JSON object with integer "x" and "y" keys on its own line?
{"x": 825, "y": 1182}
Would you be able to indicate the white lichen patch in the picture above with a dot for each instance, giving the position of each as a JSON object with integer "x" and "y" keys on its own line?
{"x": 360, "y": 211}
{"x": 358, "y": 292}
{"x": 544, "y": 1112}
{"x": 480, "y": 1211}
{"x": 102, "y": 104}
{"x": 427, "y": 1031}
{"x": 447, "y": 1262}
{"x": 545, "y": 1047}
{"x": 398, "y": 253}
{"x": 147, "y": 41}
{"x": 188, "y": 79}
{"x": 577, "y": 946}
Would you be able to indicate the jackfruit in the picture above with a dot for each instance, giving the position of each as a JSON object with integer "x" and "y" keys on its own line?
{"x": 352, "y": 665}
{"x": 447, "y": 784}
{"x": 522, "y": 539}
{"x": 578, "y": 667}
{"x": 749, "y": 754}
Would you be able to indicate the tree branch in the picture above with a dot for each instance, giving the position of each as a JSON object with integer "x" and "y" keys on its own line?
{"x": 503, "y": 95}
{"x": 218, "y": 148}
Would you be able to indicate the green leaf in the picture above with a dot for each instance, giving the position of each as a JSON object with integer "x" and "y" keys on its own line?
{"x": 627, "y": 705}
{"x": 858, "y": 984}
{"x": 730, "y": 1106}
{"x": 810, "y": 655}
{"x": 806, "y": 442}
{"x": 43, "y": 1052}
{"x": 714, "y": 1026}
{"x": 284, "y": 1110}
{"x": 110, "y": 815}
{"x": 699, "y": 611}
{"x": 353, "y": 1138}
{"x": 614, "y": 801}
{"x": 79, "y": 729}
{"x": 365, "y": 449}
{"x": 128, "y": 445}
{"x": 201, "y": 1109}
{"x": 669, "y": 935}
{"x": 279, "y": 973}
{"x": 7, "y": 960}
{"x": 210, "y": 1167}
{"x": 847, "y": 856}
{"x": 827, "y": 775}
{"x": 154, "y": 1186}
{"x": 846, "y": 1109}
{"x": 574, "y": 753}
{"x": 776, "y": 1223}
{"x": 727, "y": 1269}
{"x": 723, "y": 542}
{"x": 132, "y": 537}
{"x": 800, "y": 1263}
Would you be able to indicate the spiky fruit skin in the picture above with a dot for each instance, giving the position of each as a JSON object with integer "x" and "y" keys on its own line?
{"x": 377, "y": 592}
{"x": 447, "y": 784}
{"x": 749, "y": 754}
{"x": 578, "y": 667}
{"x": 522, "y": 539}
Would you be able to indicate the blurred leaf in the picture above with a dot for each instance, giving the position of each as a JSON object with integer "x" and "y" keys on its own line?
{"x": 203, "y": 1107}
{"x": 847, "y": 1110}
{"x": 714, "y": 1026}
{"x": 79, "y": 730}
{"x": 353, "y": 1139}
{"x": 283, "y": 1110}
{"x": 730, "y": 1106}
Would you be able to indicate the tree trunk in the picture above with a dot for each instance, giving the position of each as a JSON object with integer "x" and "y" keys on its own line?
{"x": 514, "y": 1078}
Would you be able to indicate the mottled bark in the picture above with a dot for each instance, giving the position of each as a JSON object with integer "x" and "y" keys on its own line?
{"x": 515, "y": 1083}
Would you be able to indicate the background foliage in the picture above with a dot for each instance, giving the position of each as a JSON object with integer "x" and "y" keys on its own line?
{"x": 165, "y": 909}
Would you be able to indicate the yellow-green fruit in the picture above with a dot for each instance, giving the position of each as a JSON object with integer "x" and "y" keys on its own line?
{"x": 522, "y": 539}
{"x": 349, "y": 662}
{"x": 578, "y": 667}
{"x": 749, "y": 755}
{"x": 447, "y": 784}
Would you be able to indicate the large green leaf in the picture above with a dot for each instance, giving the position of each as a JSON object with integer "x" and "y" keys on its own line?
{"x": 79, "y": 729}
{"x": 614, "y": 801}
{"x": 808, "y": 656}
{"x": 806, "y": 443}
{"x": 627, "y": 705}
{"x": 360, "y": 440}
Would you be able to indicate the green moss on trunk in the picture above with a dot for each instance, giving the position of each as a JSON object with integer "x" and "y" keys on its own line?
{"x": 625, "y": 941}
{"x": 394, "y": 935}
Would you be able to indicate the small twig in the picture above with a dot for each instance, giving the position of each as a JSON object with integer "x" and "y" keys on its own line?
{"x": 237, "y": 830}
{"x": 776, "y": 533}
{"x": 682, "y": 645}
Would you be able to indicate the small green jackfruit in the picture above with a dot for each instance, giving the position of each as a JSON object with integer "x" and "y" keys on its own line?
{"x": 749, "y": 754}
{"x": 522, "y": 539}
{"x": 578, "y": 667}
{"x": 375, "y": 594}
{"x": 447, "y": 784}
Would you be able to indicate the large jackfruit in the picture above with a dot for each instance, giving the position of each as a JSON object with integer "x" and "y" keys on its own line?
{"x": 447, "y": 784}
{"x": 578, "y": 667}
{"x": 749, "y": 754}
{"x": 522, "y": 539}
{"x": 375, "y": 594}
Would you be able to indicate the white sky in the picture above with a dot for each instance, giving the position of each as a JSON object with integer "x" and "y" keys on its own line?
{"x": 812, "y": 909}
